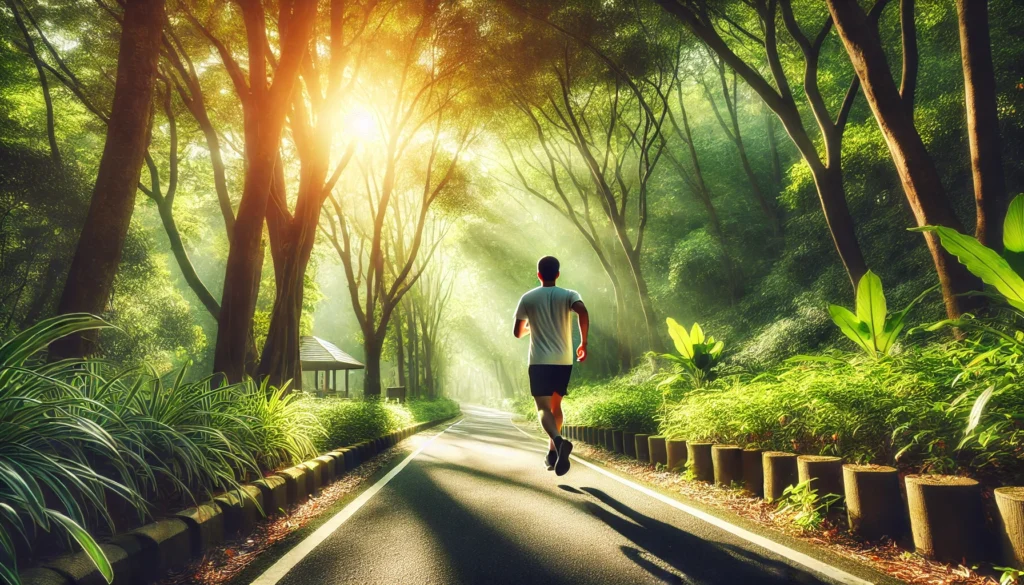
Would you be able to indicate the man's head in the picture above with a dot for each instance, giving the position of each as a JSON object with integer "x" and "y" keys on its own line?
{"x": 547, "y": 269}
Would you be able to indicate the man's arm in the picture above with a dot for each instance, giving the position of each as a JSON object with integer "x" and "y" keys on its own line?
{"x": 581, "y": 310}
{"x": 520, "y": 328}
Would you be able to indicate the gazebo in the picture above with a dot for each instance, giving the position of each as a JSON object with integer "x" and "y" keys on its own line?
{"x": 318, "y": 356}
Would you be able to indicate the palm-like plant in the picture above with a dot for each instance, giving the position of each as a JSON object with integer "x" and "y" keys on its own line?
{"x": 871, "y": 327}
{"x": 48, "y": 447}
{"x": 698, "y": 354}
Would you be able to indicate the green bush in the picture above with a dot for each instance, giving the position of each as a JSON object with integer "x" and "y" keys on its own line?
{"x": 346, "y": 422}
{"x": 910, "y": 409}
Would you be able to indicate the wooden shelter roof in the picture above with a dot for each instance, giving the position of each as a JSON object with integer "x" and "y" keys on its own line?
{"x": 318, "y": 354}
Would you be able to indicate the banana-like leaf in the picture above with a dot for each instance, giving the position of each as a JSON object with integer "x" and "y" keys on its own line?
{"x": 1013, "y": 225}
{"x": 87, "y": 542}
{"x": 717, "y": 349}
{"x": 697, "y": 334}
{"x": 979, "y": 407}
{"x": 871, "y": 307}
{"x": 983, "y": 262}
{"x": 852, "y": 327}
{"x": 680, "y": 338}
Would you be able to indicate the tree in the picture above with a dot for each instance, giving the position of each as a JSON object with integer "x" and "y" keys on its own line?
{"x": 314, "y": 125}
{"x": 265, "y": 106}
{"x": 916, "y": 169}
{"x": 731, "y": 128}
{"x": 982, "y": 122}
{"x": 706, "y": 20}
{"x": 98, "y": 253}
{"x": 413, "y": 136}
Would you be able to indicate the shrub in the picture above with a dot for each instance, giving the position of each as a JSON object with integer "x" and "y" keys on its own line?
{"x": 346, "y": 422}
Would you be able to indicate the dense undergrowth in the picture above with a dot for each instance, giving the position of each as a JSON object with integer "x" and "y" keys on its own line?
{"x": 89, "y": 448}
{"x": 910, "y": 409}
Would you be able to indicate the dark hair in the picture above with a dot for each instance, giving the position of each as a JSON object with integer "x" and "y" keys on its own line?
{"x": 548, "y": 267}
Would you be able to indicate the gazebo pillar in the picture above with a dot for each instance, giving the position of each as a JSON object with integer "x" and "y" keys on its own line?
{"x": 346, "y": 383}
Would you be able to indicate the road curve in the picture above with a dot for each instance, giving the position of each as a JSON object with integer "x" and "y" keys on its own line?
{"x": 477, "y": 506}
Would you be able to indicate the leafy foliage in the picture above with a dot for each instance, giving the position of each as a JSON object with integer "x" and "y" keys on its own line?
{"x": 872, "y": 328}
{"x": 808, "y": 508}
{"x": 698, "y": 354}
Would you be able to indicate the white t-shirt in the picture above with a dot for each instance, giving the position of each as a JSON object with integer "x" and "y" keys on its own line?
{"x": 548, "y": 311}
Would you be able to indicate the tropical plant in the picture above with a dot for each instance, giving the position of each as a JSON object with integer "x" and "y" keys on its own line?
{"x": 49, "y": 450}
{"x": 871, "y": 328}
{"x": 698, "y": 354}
{"x": 1000, "y": 271}
{"x": 808, "y": 508}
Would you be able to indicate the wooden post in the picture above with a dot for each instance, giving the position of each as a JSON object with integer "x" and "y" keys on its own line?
{"x": 617, "y": 441}
{"x": 658, "y": 449}
{"x": 629, "y": 443}
{"x": 779, "y": 473}
{"x": 643, "y": 453}
{"x": 874, "y": 505}
{"x": 1010, "y": 502}
{"x": 727, "y": 461}
{"x": 825, "y": 473}
{"x": 699, "y": 455}
{"x": 346, "y": 383}
{"x": 946, "y": 517}
{"x": 676, "y": 451}
{"x": 753, "y": 471}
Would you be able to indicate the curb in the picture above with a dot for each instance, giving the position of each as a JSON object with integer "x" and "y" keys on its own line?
{"x": 145, "y": 554}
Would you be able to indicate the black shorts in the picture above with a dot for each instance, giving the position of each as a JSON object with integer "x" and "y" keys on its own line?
{"x": 546, "y": 379}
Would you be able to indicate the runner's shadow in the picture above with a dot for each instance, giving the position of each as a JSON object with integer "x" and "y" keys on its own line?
{"x": 700, "y": 560}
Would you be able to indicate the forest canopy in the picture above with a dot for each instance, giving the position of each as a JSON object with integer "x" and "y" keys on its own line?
{"x": 218, "y": 179}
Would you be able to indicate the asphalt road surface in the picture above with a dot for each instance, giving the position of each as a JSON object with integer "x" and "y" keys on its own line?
{"x": 476, "y": 505}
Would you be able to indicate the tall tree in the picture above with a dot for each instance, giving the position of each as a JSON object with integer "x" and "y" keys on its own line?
{"x": 916, "y": 169}
{"x": 265, "y": 105}
{"x": 707, "y": 21}
{"x": 314, "y": 124}
{"x": 731, "y": 127}
{"x": 91, "y": 277}
{"x": 982, "y": 121}
{"x": 414, "y": 137}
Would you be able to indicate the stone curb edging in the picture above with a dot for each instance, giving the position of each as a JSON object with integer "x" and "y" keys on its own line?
{"x": 944, "y": 513}
{"x": 145, "y": 554}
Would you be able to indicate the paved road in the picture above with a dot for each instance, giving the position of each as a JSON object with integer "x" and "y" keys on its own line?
{"x": 476, "y": 506}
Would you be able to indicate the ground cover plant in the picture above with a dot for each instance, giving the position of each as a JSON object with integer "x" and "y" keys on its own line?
{"x": 89, "y": 449}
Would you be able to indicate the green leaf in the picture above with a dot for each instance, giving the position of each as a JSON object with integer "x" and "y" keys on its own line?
{"x": 871, "y": 307}
{"x": 697, "y": 334}
{"x": 680, "y": 338}
{"x": 979, "y": 408}
{"x": 983, "y": 262}
{"x": 1013, "y": 225}
{"x": 87, "y": 542}
{"x": 852, "y": 327}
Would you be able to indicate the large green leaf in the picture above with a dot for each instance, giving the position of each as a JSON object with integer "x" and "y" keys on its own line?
{"x": 680, "y": 337}
{"x": 852, "y": 327}
{"x": 88, "y": 544}
{"x": 871, "y": 307}
{"x": 983, "y": 262}
{"x": 1013, "y": 225}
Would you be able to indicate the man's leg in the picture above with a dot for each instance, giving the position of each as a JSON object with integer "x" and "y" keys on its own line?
{"x": 547, "y": 418}
{"x": 556, "y": 412}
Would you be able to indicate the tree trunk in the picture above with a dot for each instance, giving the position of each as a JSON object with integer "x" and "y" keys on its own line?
{"x": 264, "y": 121}
{"x": 645, "y": 302}
{"x": 188, "y": 271}
{"x": 414, "y": 360}
{"x": 51, "y": 133}
{"x": 400, "y": 347}
{"x": 982, "y": 122}
{"x": 773, "y": 148}
{"x": 916, "y": 168}
{"x": 98, "y": 254}
{"x": 371, "y": 375}
{"x": 831, "y": 192}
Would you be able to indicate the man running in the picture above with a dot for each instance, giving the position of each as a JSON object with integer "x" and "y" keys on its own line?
{"x": 545, "y": 313}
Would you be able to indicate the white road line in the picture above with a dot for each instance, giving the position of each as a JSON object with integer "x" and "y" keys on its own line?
{"x": 285, "y": 564}
{"x": 781, "y": 550}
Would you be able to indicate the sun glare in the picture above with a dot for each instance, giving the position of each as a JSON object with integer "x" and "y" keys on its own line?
{"x": 360, "y": 123}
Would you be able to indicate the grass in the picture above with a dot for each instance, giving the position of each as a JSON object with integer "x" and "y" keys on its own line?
{"x": 87, "y": 445}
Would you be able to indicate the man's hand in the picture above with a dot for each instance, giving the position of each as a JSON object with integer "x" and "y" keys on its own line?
{"x": 581, "y": 353}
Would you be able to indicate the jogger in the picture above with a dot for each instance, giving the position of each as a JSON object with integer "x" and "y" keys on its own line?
{"x": 545, "y": 313}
